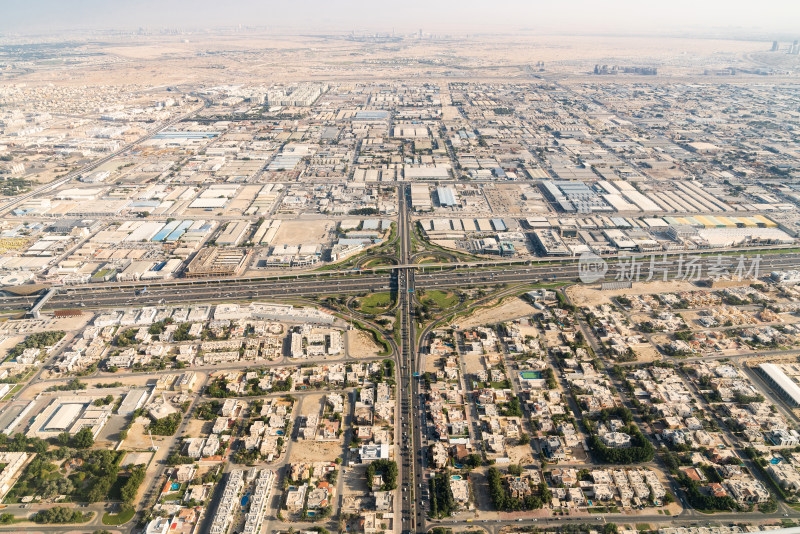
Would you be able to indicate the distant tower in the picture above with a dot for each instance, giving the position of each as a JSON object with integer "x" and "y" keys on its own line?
{"x": 774, "y": 46}
{"x": 795, "y": 48}
{"x": 420, "y": 33}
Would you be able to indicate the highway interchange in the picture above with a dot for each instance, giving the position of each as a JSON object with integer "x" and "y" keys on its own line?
{"x": 355, "y": 282}
{"x": 405, "y": 279}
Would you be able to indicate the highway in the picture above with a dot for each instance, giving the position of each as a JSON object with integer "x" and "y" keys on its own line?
{"x": 411, "y": 459}
{"x": 405, "y": 278}
{"x": 320, "y": 284}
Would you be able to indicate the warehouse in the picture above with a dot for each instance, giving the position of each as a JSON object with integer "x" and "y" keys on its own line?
{"x": 426, "y": 173}
{"x": 784, "y": 386}
{"x": 549, "y": 242}
{"x": 217, "y": 262}
{"x": 420, "y": 198}
{"x": 63, "y": 417}
{"x": 69, "y": 415}
{"x": 233, "y": 234}
{"x": 208, "y": 203}
{"x": 446, "y": 197}
{"x": 133, "y": 400}
{"x": 371, "y": 116}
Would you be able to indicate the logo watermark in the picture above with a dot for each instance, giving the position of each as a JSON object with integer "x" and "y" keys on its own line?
{"x": 592, "y": 268}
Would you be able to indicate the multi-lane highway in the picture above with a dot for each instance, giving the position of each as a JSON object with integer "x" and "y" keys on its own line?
{"x": 354, "y": 282}
{"x": 410, "y": 452}
{"x": 405, "y": 278}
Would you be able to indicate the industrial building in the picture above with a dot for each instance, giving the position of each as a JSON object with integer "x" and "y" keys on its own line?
{"x": 69, "y": 414}
{"x": 446, "y": 196}
{"x": 785, "y": 387}
{"x": 214, "y": 261}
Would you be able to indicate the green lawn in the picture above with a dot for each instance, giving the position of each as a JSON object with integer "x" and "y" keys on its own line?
{"x": 378, "y": 262}
{"x": 119, "y": 519}
{"x": 13, "y": 391}
{"x": 375, "y": 303}
{"x": 442, "y": 299}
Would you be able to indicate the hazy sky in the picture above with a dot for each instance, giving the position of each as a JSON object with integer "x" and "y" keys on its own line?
{"x": 632, "y": 16}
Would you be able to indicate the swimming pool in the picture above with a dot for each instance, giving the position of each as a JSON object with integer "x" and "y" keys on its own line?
{"x": 456, "y": 477}
{"x": 174, "y": 486}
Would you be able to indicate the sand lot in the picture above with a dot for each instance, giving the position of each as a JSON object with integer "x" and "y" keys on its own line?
{"x": 197, "y": 428}
{"x": 303, "y": 232}
{"x": 9, "y": 343}
{"x": 473, "y": 363}
{"x": 511, "y": 308}
{"x": 520, "y": 454}
{"x": 137, "y": 439}
{"x": 582, "y": 295}
{"x": 646, "y": 353}
{"x": 315, "y": 451}
{"x": 312, "y": 404}
{"x": 184, "y": 59}
{"x": 136, "y": 458}
{"x": 432, "y": 364}
{"x": 126, "y": 380}
{"x": 361, "y": 345}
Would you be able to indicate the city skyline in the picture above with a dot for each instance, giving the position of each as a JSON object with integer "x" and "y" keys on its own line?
{"x": 584, "y": 16}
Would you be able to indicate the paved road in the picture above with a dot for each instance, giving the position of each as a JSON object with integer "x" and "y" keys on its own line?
{"x": 411, "y": 519}
{"x": 5, "y": 208}
{"x": 221, "y": 290}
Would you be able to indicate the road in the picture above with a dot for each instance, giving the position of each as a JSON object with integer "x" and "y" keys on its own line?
{"x": 410, "y": 469}
{"x": 354, "y": 282}
{"x": 95, "y": 164}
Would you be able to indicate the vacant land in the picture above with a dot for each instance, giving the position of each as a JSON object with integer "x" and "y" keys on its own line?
{"x": 582, "y": 295}
{"x": 315, "y": 451}
{"x": 510, "y": 308}
{"x": 303, "y": 232}
{"x": 361, "y": 345}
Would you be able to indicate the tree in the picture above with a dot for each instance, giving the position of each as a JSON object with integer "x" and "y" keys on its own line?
{"x": 39, "y": 445}
{"x": 64, "y": 438}
{"x": 166, "y": 426}
{"x": 83, "y": 439}
{"x": 131, "y": 486}
{"x": 473, "y": 460}
{"x": 387, "y": 469}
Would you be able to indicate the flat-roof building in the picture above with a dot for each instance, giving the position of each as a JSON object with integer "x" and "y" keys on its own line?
{"x": 780, "y": 383}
